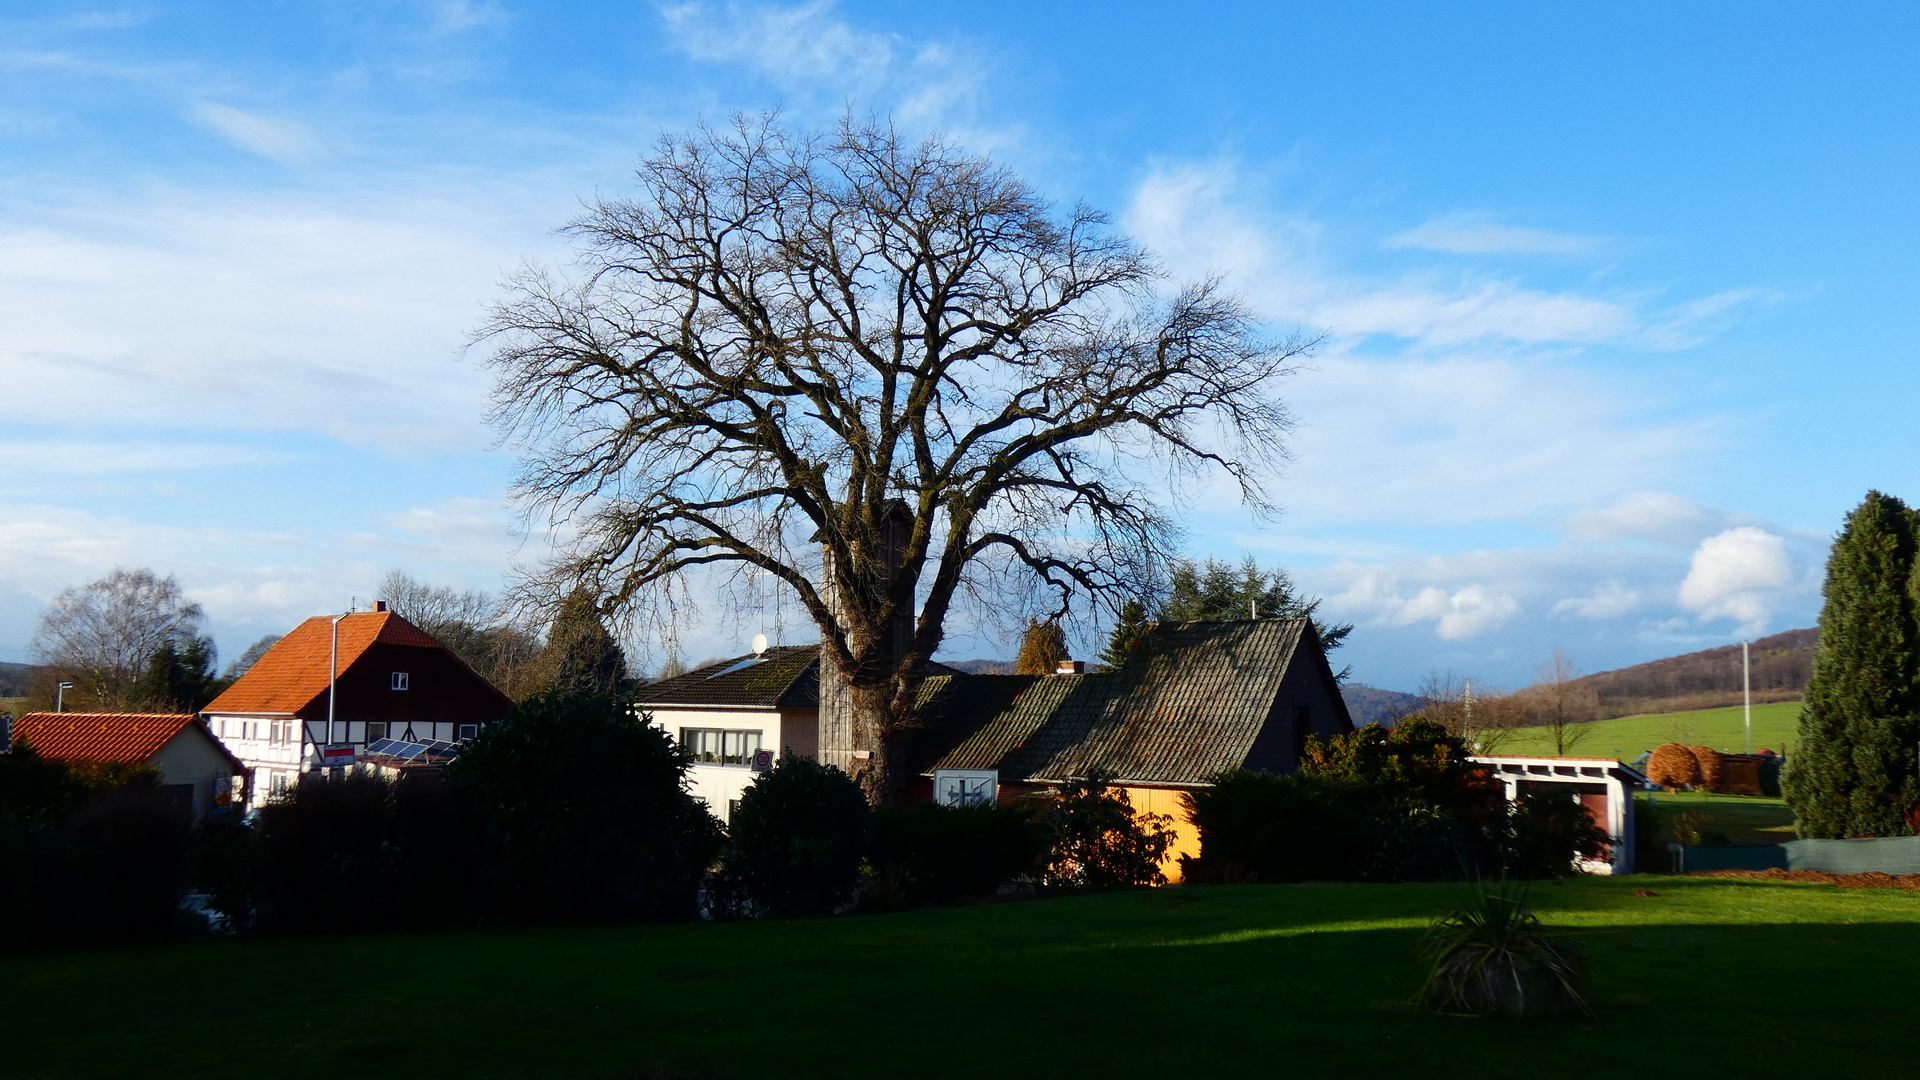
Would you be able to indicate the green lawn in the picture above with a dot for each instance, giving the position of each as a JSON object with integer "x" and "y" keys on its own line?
{"x": 1625, "y": 738}
{"x": 1745, "y": 819}
{"x": 1704, "y": 978}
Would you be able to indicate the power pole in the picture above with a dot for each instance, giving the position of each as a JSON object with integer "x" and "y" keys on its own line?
{"x": 1746, "y": 689}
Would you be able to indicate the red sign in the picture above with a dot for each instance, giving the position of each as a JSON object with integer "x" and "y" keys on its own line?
{"x": 337, "y": 756}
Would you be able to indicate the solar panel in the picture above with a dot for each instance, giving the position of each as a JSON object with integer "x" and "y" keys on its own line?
{"x": 439, "y": 747}
{"x": 383, "y": 746}
{"x": 731, "y": 668}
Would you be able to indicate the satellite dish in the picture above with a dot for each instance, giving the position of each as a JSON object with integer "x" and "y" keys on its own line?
{"x": 759, "y": 644}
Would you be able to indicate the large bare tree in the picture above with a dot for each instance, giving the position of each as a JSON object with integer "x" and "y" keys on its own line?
{"x": 883, "y": 375}
{"x": 102, "y": 634}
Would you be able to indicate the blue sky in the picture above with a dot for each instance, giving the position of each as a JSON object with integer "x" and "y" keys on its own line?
{"x": 1619, "y": 300}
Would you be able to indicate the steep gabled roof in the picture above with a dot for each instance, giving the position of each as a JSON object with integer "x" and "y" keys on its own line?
{"x": 1189, "y": 703}
{"x": 131, "y": 738}
{"x": 785, "y": 676}
{"x": 294, "y": 672}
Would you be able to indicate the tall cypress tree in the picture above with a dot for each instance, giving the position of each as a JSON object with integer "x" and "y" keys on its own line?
{"x": 581, "y": 656}
{"x": 1126, "y": 633}
{"x": 1852, "y": 771}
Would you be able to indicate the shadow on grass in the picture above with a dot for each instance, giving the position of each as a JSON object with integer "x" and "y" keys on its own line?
{"x": 1708, "y": 975}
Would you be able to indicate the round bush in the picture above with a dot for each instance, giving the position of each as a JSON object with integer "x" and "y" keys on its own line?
{"x": 796, "y": 840}
{"x": 1672, "y": 766}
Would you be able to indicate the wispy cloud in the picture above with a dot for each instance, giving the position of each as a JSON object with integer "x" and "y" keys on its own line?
{"x": 288, "y": 142}
{"x": 807, "y": 49}
{"x": 1477, "y": 234}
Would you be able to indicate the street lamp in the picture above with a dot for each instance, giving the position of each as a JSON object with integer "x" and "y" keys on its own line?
{"x": 60, "y": 696}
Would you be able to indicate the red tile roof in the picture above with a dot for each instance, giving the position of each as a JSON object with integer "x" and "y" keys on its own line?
{"x": 294, "y": 672}
{"x": 102, "y": 737}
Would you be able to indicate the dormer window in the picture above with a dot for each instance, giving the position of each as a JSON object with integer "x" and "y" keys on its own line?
{"x": 399, "y": 680}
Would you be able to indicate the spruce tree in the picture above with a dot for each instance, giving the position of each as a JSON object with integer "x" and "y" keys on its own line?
{"x": 1852, "y": 768}
{"x": 1126, "y": 634}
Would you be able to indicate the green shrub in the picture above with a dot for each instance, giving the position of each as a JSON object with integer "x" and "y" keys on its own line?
{"x": 584, "y": 813}
{"x": 1098, "y": 843}
{"x": 938, "y": 853}
{"x": 1546, "y": 831}
{"x": 795, "y": 844}
{"x": 346, "y": 853}
{"x": 1278, "y": 828}
{"x": 1488, "y": 954}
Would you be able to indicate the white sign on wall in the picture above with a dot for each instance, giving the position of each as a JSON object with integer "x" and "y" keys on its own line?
{"x": 966, "y": 787}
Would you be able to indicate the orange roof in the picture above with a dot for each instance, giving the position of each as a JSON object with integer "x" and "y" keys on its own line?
{"x": 294, "y": 672}
{"x": 113, "y": 736}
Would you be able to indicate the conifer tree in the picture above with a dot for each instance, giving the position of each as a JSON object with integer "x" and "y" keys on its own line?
{"x": 581, "y": 656}
{"x": 1852, "y": 771}
{"x": 1126, "y": 634}
{"x": 1042, "y": 648}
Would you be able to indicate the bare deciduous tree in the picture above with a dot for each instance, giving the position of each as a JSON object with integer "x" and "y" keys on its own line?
{"x": 1480, "y": 714}
{"x": 102, "y": 634}
{"x": 885, "y": 376}
{"x": 1562, "y": 705}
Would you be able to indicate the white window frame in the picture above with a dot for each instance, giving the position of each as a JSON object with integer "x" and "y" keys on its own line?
{"x": 399, "y": 681}
{"x": 732, "y": 748}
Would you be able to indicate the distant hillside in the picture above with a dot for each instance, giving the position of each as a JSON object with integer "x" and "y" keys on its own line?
{"x": 1372, "y": 705}
{"x": 14, "y": 679}
{"x": 981, "y": 667}
{"x": 1782, "y": 664}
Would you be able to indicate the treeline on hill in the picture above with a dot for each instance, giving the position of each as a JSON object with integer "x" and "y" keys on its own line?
{"x": 1782, "y": 664}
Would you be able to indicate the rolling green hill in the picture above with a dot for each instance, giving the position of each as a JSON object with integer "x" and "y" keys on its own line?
{"x": 1774, "y": 725}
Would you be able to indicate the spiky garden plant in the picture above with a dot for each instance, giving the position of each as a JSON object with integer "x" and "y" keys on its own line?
{"x": 1490, "y": 955}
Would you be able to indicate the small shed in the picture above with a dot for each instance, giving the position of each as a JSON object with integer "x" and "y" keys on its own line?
{"x": 194, "y": 766}
{"x": 1603, "y": 786}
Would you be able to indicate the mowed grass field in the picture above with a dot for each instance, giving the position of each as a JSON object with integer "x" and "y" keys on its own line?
{"x": 1743, "y": 819}
{"x": 1704, "y": 977}
{"x": 1627, "y": 737}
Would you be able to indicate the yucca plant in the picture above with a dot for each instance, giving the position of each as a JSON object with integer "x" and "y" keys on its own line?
{"x": 1489, "y": 954}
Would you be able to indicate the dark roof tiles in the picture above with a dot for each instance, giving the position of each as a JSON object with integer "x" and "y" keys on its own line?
{"x": 1189, "y": 703}
{"x": 784, "y": 677}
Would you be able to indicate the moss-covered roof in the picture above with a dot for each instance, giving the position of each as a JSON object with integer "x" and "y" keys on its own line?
{"x": 785, "y": 676}
{"x": 1189, "y": 703}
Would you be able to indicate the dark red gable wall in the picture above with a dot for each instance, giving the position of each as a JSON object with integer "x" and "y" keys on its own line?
{"x": 440, "y": 689}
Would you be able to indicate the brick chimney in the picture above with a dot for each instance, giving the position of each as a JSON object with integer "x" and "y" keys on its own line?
{"x": 1071, "y": 667}
{"x": 379, "y": 605}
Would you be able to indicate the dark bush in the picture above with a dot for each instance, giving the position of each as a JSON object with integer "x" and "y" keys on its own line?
{"x": 940, "y": 853}
{"x": 87, "y": 855}
{"x": 584, "y": 814}
{"x": 356, "y": 852}
{"x": 1297, "y": 827}
{"x": 796, "y": 840}
{"x": 1547, "y": 830}
{"x": 1412, "y": 840}
{"x": 1098, "y": 843}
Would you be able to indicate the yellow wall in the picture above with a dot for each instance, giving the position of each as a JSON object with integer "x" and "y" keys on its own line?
{"x": 1165, "y": 801}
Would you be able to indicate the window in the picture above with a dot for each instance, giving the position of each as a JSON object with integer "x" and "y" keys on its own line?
{"x": 733, "y": 807}
{"x": 467, "y": 731}
{"x": 376, "y": 730}
{"x": 277, "y": 786}
{"x": 711, "y": 746}
{"x": 399, "y": 680}
{"x": 273, "y": 733}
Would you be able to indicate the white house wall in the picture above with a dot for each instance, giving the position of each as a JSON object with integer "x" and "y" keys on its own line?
{"x": 250, "y": 738}
{"x": 191, "y": 758}
{"x": 719, "y": 786}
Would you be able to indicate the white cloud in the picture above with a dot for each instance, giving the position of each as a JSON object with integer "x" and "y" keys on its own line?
{"x": 1475, "y": 234}
{"x": 288, "y": 142}
{"x": 1459, "y": 613}
{"x": 1610, "y": 601}
{"x": 1736, "y": 575}
{"x": 805, "y": 49}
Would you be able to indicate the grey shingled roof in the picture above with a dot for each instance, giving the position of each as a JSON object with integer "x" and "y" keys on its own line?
{"x": 1188, "y": 703}
{"x": 787, "y": 676}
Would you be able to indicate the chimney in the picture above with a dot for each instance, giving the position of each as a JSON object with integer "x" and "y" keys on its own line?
{"x": 1071, "y": 667}
{"x": 379, "y": 605}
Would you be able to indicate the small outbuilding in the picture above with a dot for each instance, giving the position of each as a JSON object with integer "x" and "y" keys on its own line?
{"x": 194, "y": 767}
{"x": 1603, "y": 786}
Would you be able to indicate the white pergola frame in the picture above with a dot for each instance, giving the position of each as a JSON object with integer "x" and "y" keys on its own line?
{"x": 1620, "y": 780}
